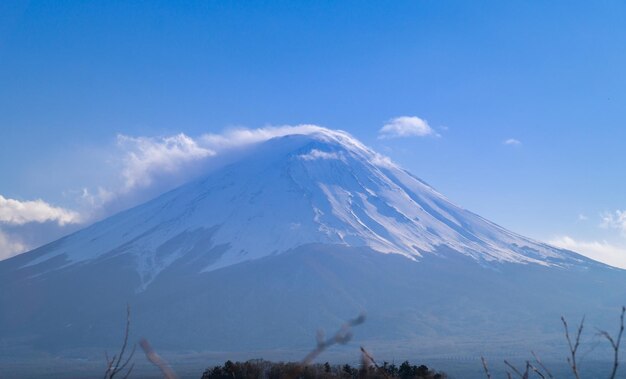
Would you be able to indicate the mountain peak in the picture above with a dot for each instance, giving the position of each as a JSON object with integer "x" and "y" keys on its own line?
{"x": 315, "y": 185}
{"x": 299, "y": 230}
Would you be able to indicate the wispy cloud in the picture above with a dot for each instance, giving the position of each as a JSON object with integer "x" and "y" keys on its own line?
{"x": 96, "y": 198}
{"x": 237, "y": 137}
{"x": 512, "y": 142}
{"x": 16, "y": 212}
{"x": 598, "y": 250}
{"x": 147, "y": 156}
{"x": 10, "y": 246}
{"x": 614, "y": 220}
{"x": 406, "y": 126}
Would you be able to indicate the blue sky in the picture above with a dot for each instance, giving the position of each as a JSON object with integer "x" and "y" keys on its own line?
{"x": 85, "y": 85}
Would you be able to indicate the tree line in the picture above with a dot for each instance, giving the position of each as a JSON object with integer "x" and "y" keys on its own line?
{"x": 261, "y": 369}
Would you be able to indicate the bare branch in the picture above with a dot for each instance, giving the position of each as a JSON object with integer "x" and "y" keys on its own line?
{"x": 132, "y": 353}
{"x": 113, "y": 364}
{"x": 130, "y": 369}
{"x": 573, "y": 347}
{"x": 116, "y": 366}
{"x": 109, "y": 364}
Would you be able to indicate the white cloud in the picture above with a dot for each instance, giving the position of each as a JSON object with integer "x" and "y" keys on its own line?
{"x": 614, "y": 220}
{"x": 96, "y": 199}
{"x": 148, "y": 156}
{"x": 582, "y": 217}
{"x": 237, "y": 137}
{"x": 406, "y": 126}
{"x": 512, "y": 142}
{"x": 599, "y": 250}
{"x": 318, "y": 154}
{"x": 17, "y": 212}
{"x": 10, "y": 246}
{"x": 383, "y": 161}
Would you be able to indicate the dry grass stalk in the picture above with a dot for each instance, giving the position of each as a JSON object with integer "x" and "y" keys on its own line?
{"x": 485, "y": 367}
{"x": 367, "y": 359}
{"x": 343, "y": 336}
{"x": 156, "y": 360}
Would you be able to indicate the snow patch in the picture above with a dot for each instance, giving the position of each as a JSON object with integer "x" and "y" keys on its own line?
{"x": 318, "y": 154}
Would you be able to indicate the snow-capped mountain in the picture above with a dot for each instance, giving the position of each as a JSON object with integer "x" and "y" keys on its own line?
{"x": 324, "y": 187}
{"x": 298, "y": 232}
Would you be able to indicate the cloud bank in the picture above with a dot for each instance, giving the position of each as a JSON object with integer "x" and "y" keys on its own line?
{"x": 598, "y": 250}
{"x": 406, "y": 126}
{"x": 17, "y": 212}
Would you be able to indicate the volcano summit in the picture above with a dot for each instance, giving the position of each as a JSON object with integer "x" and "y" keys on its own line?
{"x": 299, "y": 232}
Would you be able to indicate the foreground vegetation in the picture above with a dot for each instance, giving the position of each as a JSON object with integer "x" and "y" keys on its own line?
{"x": 120, "y": 364}
{"x": 260, "y": 369}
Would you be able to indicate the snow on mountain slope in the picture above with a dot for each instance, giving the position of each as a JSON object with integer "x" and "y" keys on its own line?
{"x": 321, "y": 187}
{"x": 299, "y": 232}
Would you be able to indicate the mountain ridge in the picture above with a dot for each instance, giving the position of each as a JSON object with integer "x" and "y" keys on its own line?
{"x": 300, "y": 232}
{"x": 323, "y": 187}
